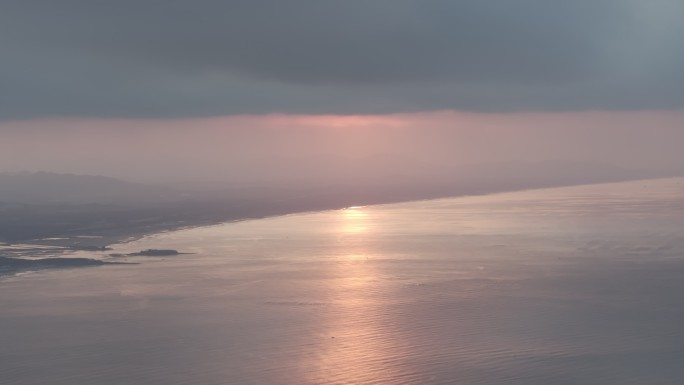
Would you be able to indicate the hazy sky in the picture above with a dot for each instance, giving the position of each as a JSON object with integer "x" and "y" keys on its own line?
{"x": 262, "y": 147}
{"x": 168, "y": 89}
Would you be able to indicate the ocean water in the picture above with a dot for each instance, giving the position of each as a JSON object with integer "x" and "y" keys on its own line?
{"x": 565, "y": 286}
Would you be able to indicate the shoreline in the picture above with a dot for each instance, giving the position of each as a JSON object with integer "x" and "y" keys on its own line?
{"x": 69, "y": 242}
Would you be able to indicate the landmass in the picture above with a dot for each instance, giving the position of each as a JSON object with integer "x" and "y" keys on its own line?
{"x": 154, "y": 253}
{"x": 10, "y": 265}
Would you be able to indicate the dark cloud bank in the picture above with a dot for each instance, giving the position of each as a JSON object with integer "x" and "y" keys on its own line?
{"x": 148, "y": 58}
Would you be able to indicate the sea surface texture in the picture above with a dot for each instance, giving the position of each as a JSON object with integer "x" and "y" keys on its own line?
{"x": 565, "y": 286}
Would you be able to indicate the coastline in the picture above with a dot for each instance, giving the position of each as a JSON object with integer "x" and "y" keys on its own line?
{"x": 69, "y": 241}
{"x": 94, "y": 249}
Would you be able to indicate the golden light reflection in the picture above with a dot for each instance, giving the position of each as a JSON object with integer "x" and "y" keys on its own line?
{"x": 359, "y": 345}
{"x": 354, "y": 220}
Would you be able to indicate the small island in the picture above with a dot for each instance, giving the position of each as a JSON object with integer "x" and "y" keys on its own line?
{"x": 155, "y": 253}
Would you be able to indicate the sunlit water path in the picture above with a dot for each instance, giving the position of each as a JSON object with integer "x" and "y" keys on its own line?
{"x": 581, "y": 285}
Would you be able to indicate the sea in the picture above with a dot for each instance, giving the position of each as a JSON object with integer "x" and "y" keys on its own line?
{"x": 575, "y": 285}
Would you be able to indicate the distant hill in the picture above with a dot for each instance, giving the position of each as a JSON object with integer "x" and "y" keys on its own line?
{"x": 45, "y": 187}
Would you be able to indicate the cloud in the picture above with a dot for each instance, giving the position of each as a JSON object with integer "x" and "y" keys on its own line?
{"x": 150, "y": 58}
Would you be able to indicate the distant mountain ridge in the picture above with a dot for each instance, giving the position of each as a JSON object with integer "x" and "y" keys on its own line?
{"x": 47, "y": 187}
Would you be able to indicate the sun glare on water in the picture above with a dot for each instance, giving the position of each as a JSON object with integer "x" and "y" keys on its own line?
{"x": 354, "y": 220}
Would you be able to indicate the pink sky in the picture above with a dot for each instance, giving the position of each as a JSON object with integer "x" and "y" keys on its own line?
{"x": 174, "y": 149}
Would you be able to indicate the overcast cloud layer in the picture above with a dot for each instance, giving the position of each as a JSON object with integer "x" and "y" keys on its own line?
{"x": 146, "y": 58}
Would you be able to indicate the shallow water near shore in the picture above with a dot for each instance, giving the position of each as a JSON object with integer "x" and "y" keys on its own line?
{"x": 577, "y": 285}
